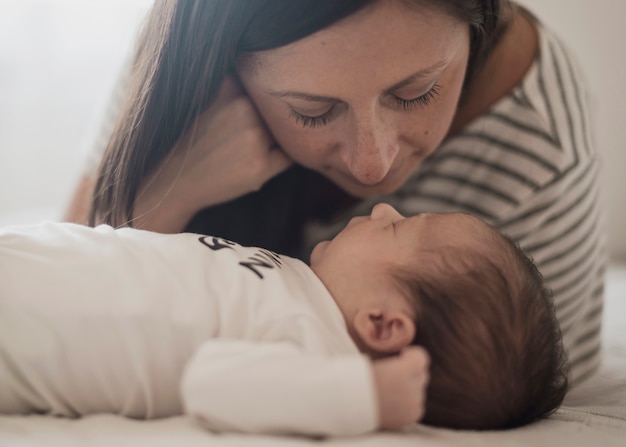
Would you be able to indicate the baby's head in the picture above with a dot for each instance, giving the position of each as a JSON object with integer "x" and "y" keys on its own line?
{"x": 454, "y": 285}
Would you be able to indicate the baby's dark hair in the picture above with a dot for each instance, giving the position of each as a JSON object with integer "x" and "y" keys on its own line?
{"x": 488, "y": 323}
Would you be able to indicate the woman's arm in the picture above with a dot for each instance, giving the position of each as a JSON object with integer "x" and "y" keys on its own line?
{"x": 226, "y": 153}
{"x": 78, "y": 208}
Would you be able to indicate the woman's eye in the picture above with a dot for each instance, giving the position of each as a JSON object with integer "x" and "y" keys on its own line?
{"x": 326, "y": 117}
{"x": 312, "y": 121}
{"x": 423, "y": 100}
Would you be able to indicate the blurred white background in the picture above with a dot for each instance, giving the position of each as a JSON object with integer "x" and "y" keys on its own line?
{"x": 59, "y": 60}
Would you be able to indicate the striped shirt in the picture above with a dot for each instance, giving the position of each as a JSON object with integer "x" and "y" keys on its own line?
{"x": 528, "y": 167}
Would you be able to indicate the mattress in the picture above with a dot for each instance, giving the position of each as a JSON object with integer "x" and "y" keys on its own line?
{"x": 594, "y": 414}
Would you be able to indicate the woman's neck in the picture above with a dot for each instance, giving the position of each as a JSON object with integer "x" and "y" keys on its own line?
{"x": 505, "y": 68}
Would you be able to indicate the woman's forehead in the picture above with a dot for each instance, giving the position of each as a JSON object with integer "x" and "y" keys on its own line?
{"x": 384, "y": 37}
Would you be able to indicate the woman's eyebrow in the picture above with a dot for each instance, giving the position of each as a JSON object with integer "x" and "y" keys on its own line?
{"x": 423, "y": 73}
{"x": 305, "y": 96}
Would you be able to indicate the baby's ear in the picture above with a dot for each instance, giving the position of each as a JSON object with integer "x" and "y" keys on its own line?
{"x": 384, "y": 331}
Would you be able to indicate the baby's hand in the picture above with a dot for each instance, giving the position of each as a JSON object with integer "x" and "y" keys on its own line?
{"x": 401, "y": 385}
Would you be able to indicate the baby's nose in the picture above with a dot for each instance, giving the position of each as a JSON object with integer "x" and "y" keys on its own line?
{"x": 384, "y": 211}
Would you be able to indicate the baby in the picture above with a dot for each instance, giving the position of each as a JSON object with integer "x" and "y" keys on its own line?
{"x": 148, "y": 325}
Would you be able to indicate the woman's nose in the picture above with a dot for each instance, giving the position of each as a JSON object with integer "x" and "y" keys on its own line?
{"x": 370, "y": 155}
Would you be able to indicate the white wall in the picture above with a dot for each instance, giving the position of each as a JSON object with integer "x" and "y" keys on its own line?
{"x": 59, "y": 60}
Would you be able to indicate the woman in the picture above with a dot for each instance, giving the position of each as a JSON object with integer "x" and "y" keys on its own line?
{"x": 273, "y": 122}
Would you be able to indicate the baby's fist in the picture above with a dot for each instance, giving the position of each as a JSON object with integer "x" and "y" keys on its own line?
{"x": 401, "y": 386}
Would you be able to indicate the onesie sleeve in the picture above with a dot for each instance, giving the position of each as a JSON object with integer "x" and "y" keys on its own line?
{"x": 275, "y": 388}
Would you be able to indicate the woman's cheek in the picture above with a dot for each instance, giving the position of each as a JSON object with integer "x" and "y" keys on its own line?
{"x": 305, "y": 148}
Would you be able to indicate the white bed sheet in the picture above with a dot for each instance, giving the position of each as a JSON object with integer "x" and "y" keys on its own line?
{"x": 593, "y": 414}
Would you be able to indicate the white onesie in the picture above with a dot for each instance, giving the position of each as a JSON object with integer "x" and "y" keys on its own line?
{"x": 149, "y": 325}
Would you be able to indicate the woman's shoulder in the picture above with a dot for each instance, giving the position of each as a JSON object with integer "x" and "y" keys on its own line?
{"x": 553, "y": 87}
{"x": 544, "y": 92}
{"x": 543, "y": 118}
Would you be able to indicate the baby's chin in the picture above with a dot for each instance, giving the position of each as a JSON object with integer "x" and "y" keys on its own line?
{"x": 317, "y": 254}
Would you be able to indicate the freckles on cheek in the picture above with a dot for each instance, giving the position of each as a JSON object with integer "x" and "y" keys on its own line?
{"x": 433, "y": 136}
{"x": 309, "y": 150}
{"x": 437, "y": 123}
{"x": 423, "y": 137}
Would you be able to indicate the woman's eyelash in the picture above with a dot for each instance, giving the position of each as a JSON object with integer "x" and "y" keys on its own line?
{"x": 325, "y": 118}
{"x": 312, "y": 121}
{"x": 424, "y": 100}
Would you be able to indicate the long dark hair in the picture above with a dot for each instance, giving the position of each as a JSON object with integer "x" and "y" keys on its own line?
{"x": 186, "y": 49}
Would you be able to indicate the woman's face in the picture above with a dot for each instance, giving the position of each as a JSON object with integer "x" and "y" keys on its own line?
{"x": 365, "y": 100}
